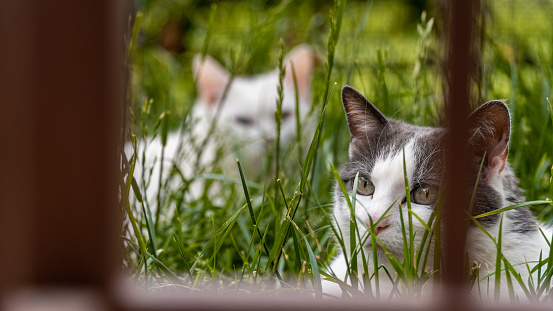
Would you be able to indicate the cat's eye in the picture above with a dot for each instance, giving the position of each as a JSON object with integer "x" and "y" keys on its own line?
{"x": 286, "y": 114}
{"x": 425, "y": 194}
{"x": 365, "y": 186}
{"x": 245, "y": 121}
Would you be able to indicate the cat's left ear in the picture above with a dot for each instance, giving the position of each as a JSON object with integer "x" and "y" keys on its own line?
{"x": 211, "y": 79}
{"x": 302, "y": 58}
{"x": 490, "y": 129}
{"x": 364, "y": 119}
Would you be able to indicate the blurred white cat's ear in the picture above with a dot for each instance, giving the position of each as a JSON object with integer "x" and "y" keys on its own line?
{"x": 211, "y": 79}
{"x": 490, "y": 127}
{"x": 364, "y": 119}
{"x": 302, "y": 58}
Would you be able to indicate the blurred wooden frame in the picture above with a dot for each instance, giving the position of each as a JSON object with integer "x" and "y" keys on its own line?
{"x": 62, "y": 94}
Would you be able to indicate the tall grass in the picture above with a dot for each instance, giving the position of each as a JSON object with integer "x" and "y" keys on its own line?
{"x": 277, "y": 226}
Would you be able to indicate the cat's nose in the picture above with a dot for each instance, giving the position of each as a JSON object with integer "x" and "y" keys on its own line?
{"x": 269, "y": 142}
{"x": 383, "y": 224}
{"x": 380, "y": 227}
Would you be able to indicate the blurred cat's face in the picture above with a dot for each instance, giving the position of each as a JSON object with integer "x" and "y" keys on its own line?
{"x": 247, "y": 115}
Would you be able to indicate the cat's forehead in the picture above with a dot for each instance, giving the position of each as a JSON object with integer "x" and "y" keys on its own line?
{"x": 251, "y": 95}
{"x": 392, "y": 137}
{"x": 256, "y": 97}
{"x": 426, "y": 146}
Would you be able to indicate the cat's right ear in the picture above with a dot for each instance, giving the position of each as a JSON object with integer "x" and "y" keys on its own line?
{"x": 302, "y": 58}
{"x": 211, "y": 79}
{"x": 490, "y": 127}
{"x": 364, "y": 119}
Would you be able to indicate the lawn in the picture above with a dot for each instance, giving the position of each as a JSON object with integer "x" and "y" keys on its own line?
{"x": 389, "y": 50}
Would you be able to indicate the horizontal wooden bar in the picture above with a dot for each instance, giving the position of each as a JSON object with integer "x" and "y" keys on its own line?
{"x": 127, "y": 299}
{"x": 55, "y": 299}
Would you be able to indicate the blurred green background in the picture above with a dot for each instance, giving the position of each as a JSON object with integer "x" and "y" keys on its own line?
{"x": 517, "y": 58}
{"x": 385, "y": 49}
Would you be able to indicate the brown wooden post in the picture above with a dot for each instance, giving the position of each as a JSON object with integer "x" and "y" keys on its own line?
{"x": 459, "y": 64}
{"x": 16, "y": 143}
{"x": 76, "y": 103}
{"x": 61, "y": 71}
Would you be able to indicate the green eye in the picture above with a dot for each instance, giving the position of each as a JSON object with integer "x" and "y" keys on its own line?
{"x": 365, "y": 186}
{"x": 425, "y": 195}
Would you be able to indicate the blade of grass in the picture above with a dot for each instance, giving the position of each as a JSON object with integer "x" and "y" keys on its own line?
{"x": 151, "y": 230}
{"x": 278, "y": 183}
{"x": 355, "y": 40}
{"x": 314, "y": 269}
{"x": 214, "y": 256}
{"x": 438, "y": 207}
{"x": 336, "y": 16}
{"x": 508, "y": 265}
{"x": 284, "y": 229}
{"x": 343, "y": 285}
{"x": 406, "y": 252}
{"x": 296, "y": 249}
{"x": 514, "y": 206}
{"x": 278, "y": 118}
{"x": 317, "y": 285}
{"x": 298, "y": 121}
{"x": 352, "y": 235}
{"x": 548, "y": 273}
{"x": 382, "y": 88}
{"x": 375, "y": 259}
{"x": 181, "y": 251}
{"x": 135, "y": 29}
{"x": 410, "y": 254}
{"x": 510, "y": 287}
{"x": 207, "y": 38}
{"x": 348, "y": 201}
{"x": 250, "y": 209}
{"x": 498, "y": 263}
{"x": 215, "y": 119}
{"x": 398, "y": 267}
{"x": 164, "y": 122}
{"x": 126, "y": 204}
{"x": 223, "y": 178}
{"x": 170, "y": 275}
{"x": 221, "y": 233}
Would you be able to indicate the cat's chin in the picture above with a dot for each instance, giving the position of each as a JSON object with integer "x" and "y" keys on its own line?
{"x": 380, "y": 254}
{"x": 390, "y": 248}
{"x": 380, "y": 251}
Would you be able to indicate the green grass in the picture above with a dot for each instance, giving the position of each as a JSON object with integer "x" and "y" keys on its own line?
{"x": 278, "y": 223}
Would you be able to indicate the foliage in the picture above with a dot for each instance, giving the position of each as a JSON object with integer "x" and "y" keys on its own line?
{"x": 279, "y": 223}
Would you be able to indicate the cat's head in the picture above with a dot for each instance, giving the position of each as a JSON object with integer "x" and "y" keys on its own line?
{"x": 248, "y": 110}
{"x": 376, "y": 154}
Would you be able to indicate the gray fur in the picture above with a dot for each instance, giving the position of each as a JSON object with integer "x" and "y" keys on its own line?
{"x": 384, "y": 136}
{"x": 376, "y": 153}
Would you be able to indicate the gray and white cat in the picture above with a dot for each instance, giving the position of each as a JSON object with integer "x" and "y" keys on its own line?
{"x": 245, "y": 124}
{"x": 376, "y": 153}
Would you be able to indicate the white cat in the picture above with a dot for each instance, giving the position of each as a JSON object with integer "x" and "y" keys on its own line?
{"x": 376, "y": 154}
{"x": 245, "y": 126}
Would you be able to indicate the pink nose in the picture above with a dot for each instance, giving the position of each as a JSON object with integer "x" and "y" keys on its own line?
{"x": 383, "y": 224}
{"x": 380, "y": 227}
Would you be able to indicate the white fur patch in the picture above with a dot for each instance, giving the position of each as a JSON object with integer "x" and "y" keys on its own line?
{"x": 388, "y": 179}
{"x": 387, "y": 176}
